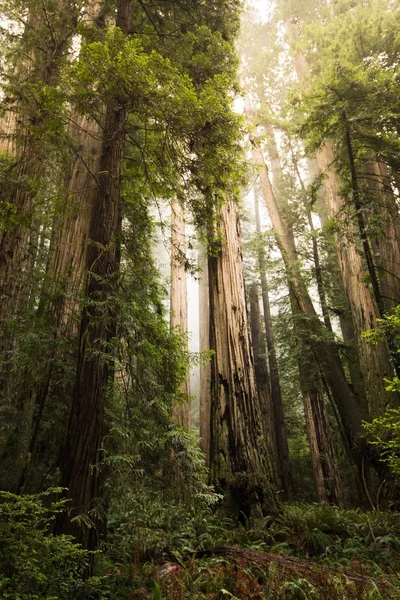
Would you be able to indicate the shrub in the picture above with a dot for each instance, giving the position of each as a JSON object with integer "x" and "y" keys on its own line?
{"x": 34, "y": 563}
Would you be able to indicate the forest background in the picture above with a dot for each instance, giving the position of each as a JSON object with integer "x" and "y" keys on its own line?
{"x": 120, "y": 129}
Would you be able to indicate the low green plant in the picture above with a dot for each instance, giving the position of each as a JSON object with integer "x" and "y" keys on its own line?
{"x": 384, "y": 433}
{"x": 34, "y": 563}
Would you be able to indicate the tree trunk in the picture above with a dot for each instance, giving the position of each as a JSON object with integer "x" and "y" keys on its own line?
{"x": 81, "y": 460}
{"x": 262, "y": 380}
{"x": 205, "y": 367}
{"x": 282, "y": 448}
{"x": 21, "y": 124}
{"x": 384, "y": 230}
{"x": 374, "y": 360}
{"x": 324, "y": 461}
{"x": 323, "y": 457}
{"x": 178, "y": 300}
{"x": 60, "y": 299}
{"x": 239, "y": 462}
{"x": 324, "y": 351}
{"x": 21, "y": 216}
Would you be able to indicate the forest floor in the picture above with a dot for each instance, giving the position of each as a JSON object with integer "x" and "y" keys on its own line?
{"x": 307, "y": 552}
{"x": 310, "y": 552}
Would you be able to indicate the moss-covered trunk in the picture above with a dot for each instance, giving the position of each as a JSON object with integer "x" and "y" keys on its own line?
{"x": 82, "y": 456}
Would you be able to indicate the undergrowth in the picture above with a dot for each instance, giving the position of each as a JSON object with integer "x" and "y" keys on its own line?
{"x": 334, "y": 543}
{"x": 309, "y": 552}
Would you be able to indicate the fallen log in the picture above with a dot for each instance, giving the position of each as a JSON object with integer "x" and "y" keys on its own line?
{"x": 308, "y": 569}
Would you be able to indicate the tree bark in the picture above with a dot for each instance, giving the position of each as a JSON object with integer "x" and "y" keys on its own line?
{"x": 324, "y": 460}
{"x": 239, "y": 463}
{"x": 205, "y": 367}
{"x": 374, "y": 360}
{"x": 20, "y": 126}
{"x": 263, "y": 380}
{"x": 82, "y": 456}
{"x": 179, "y": 301}
{"x": 323, "y": 349}
{"x": 60, "y": 300}
{"x": 282, "y": 447}
{"x": 20, "y": 215}
{"x": 384, "y": 228}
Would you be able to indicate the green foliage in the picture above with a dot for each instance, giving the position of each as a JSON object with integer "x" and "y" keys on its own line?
{"x": 383, "y": 432}
{"x": 351, "y": 538}
{"x": 34, "y": 564}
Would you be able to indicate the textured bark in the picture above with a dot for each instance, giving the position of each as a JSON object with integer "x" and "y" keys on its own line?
{"x": 80, "y": 467}
{"x": 324, "y": 461}
{"x": 179, "y": 301}
{"x": 385, "y": 230}
{"x": 375, "y": 361}
{"x": 322, "y": 350}
{"x": 282, "y": 448}
{"x": 323, "y": 455}
{"x": 239, "y": 462}
{"x": 69, "y": 242}
{"x": 205, "y": 368}
{"x": 20, "y": 126}
{"x": 340, "y": 304}
{"x": 262, "y": 380}
{"x": 20, "y": 216}
{"x": 60, "y": 299}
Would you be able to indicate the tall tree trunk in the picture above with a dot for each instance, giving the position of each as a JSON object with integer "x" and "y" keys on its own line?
{"x": 65, "y": 273}
{"x": 282, "y": 447}
{"x": 384, "y": 230}
{"x": 29, "y": 154}
{"x": 239, "y": 461}
{"x": 340, "y": 306}
{"x": 262, "y": 380}
{"x": 374, "y": 360}
{"x": 205, "y": 367}
{"x": 20, "y": 217}
{"x": 324, "y": 351}
{"x": 323, "y": 455}
{"x": 178, "y": 299}
{"x": 324, "y": 460}
{"x": 81, "y": 459}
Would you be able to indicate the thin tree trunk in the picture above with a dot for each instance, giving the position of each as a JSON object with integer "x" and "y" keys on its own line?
{"x": 262, "y": 380}
{"x": 323, "y": 455}
{"x": 282, "y": 447}
{"x": 316, "y": 255}
{"x": 239, "y": 462}
{"x": 374, "y": 360}
{"x": 324, "y": 351}
{"x": 205, "y": 368}
{"x": 179, "y": 301}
